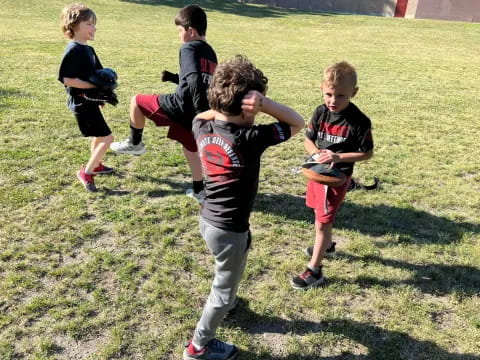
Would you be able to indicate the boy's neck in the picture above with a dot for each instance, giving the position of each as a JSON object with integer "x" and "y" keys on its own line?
{"x": 200, "y": 38}
{"x": 79, "y": 41}
{"x": 234, "y": 119}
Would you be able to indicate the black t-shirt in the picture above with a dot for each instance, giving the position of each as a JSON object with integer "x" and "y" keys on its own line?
{"x": 197, "y": 64}
{"x": 79, "y": 61}
{"x": 347, "y": 131}
{"x": 230, "y": 156}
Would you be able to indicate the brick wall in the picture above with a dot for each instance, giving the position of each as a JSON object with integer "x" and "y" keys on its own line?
{"x": 456, "y": 10}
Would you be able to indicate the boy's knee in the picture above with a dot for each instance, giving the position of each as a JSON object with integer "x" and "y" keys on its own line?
{"x": 133, "y": 102}
{"x": 108, "y": 139}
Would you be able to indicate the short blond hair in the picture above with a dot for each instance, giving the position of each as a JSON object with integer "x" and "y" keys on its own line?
{"x": 340, "y": 73}
{"x": 74, "y": 14}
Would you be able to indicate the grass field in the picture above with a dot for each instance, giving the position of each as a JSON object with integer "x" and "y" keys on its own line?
{"x": 123, "y": 273}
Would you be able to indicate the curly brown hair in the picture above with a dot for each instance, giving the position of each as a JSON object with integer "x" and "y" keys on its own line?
{"x": 231, "y": 81}
{"x": 74, "y": 14}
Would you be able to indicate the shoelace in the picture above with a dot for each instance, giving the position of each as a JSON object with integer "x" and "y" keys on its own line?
{"x": 306, "y": 274}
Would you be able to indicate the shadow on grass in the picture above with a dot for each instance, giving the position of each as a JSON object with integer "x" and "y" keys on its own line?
{"x": 434, "y": 279}
{"x": 175, "y": 187}
{"x": 411, "y": 226}
{"x": 380, "y": 343}
{"x": 114, "y": 192}
{"x": 230, "y": 7}
{"x": 408, "y": 225}
{"x": 7, "y": 96}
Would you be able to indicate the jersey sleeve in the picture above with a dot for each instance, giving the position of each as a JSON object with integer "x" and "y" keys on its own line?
{"x": 196, "y": 127}
{"x": 366, "y": 140}
{"x": 312, "y": 128}
{"x": 188, "y": 61}
{"x": 264, "y": 136}
{"x": 78, "y": 62}
{"x": 97, "y": 63}
{"x": 198, "y": 92}
{"x": 71, "y": 62}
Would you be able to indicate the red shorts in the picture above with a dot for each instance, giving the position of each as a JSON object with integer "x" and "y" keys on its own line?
{"x": 316, "y": 200}
{"x": 149, "y": 106}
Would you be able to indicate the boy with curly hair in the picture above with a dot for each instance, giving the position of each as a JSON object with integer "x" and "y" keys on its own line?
{"x": 230, "y": 147}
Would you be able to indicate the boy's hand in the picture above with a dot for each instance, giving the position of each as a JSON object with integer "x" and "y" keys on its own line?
{"x": 326, "y": 156}
{"x": 168, "y": 76}
{"x": 252, "y": 103}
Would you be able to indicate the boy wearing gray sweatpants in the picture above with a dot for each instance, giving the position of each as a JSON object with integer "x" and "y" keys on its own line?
{"x": 230, "y": 148}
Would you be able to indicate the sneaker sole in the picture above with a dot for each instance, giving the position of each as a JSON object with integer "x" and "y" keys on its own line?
{"x": 130, "y": 152}
{"x": 331, "y": 254}
{"x": 92, "y": 189}
{"x": 315, "y": 284}
{"x": 103, "y": 172}
{"x": 190, "y": 195}
{"x": 186, "y": 356}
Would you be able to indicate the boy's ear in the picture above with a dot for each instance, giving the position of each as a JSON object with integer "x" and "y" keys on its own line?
{"x": 355, "y": 92}
{"x": 192, "y": 32}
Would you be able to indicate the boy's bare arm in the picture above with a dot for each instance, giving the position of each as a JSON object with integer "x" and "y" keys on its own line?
{"x": 207, "y": 115}
{"x": 255, "y": 102}
{"x": 310, "y": 147}
{"x": 354, "y": 156}
{"x": 327, "y": 156}
{"x": 77, "y": 83}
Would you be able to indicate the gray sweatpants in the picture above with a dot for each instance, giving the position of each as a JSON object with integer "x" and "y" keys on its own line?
{"x": 230, "y": 250}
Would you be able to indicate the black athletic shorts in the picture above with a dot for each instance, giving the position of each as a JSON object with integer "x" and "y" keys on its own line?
{"x": 89, "y": 117}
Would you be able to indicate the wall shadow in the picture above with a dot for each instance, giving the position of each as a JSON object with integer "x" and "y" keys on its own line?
{"x": 381, "y": 344}
{"x": 407, "y": 225}
{"x": 435, "y": 279}
{"x": 230, "y": 7}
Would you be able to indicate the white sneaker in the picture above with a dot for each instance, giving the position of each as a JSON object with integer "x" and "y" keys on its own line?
{"x": 200, "y": 197}
{"x": 126, "y": 147}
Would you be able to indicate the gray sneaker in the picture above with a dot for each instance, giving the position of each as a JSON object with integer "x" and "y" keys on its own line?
{"x": 330, "y": 252}
{"x": 200, "y": 197}
{"x": 308, "y": 279}
{"x": 126, "y": 147}
{"x": 214, "y": 350}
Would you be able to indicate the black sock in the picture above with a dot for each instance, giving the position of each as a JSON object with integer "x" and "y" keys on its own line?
{"x": 135, "y": 135}
{"x": 197, "y": 186}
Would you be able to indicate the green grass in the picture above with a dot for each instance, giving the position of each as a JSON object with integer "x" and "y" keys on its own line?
{"x": 123, "y": 274}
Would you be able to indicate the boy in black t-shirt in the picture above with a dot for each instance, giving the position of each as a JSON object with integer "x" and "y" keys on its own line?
{"x": 197, "y": 64}
{"x": 80, "y": 62}
{"x": 340, "y": 134}
{"x": 230, "y": 148}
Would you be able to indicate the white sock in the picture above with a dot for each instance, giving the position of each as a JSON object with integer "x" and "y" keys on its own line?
{"x": 315, "y": 269}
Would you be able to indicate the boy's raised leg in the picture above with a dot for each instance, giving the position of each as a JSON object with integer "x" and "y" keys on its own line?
{"x": 133, "y": 145}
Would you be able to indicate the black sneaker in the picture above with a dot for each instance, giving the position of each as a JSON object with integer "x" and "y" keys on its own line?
{"x": 329, "y": 252}
{"x": 214, "y": 350}
{"x": 308, "y": 279}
